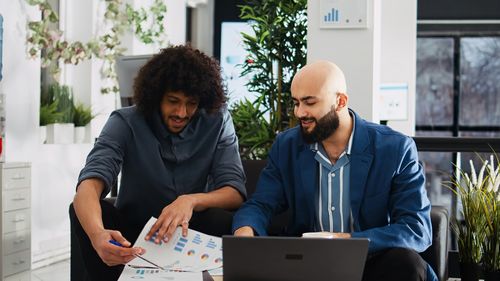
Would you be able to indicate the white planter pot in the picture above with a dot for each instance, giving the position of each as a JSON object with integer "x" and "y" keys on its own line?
{"x": 43, "y": 134}
{"x": 61, "y": 133}
{"x": 80, "y": 134}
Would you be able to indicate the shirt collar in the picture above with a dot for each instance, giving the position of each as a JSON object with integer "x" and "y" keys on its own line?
{"x": 349, "y": 144}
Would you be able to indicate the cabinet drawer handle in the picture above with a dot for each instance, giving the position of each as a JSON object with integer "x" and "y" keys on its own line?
{"x": 19, "y": 241}
{"x": 17, "y": 220}
{"x": 18, "y": 177}
{"x": 18, "y": 262}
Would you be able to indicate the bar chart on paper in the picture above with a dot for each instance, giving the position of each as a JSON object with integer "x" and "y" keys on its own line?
{"x": 195, "y": 252}
{"x": 130, "y": 273}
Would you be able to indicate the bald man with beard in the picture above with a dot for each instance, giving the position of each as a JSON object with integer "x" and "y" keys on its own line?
{"x": 341, "y": 174}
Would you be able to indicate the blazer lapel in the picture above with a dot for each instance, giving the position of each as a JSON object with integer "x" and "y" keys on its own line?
{"x": 361, "y": 160}
{"x": 309, "y": 179}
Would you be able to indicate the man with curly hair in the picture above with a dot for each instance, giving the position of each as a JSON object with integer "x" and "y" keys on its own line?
{"x": 178, "y": 156}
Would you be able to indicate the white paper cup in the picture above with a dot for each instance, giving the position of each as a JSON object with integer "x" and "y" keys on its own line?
{"x": 323, "y": 234}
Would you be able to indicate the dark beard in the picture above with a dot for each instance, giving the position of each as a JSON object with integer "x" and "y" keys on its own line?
{"x": 324, "y": 128}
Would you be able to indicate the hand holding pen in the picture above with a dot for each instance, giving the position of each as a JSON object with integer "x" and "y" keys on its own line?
{"x": 111, "y": 254}
{"x": 116, "y": 243}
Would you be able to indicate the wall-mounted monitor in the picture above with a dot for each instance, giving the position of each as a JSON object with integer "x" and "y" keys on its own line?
{"x": 127, "y": 68}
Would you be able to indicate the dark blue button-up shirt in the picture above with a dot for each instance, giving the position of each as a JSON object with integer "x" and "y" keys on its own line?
{"x": 158, "y": 166}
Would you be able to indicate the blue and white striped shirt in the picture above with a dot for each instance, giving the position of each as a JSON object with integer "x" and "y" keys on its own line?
{"x": 334, "y": 204}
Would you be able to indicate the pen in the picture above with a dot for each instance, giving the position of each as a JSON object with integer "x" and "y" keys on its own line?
{"x": 116, "y": 243}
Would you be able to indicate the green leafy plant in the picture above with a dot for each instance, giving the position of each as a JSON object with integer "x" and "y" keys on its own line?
{"x": 58, "y": 101}
{"x": 83, "y": 115}
{"x": 145, "y": 22}
{"x": 491, "y": 208}
{"x": 276, "y": 51}
{"x": 45, "y": 39}
{"x": 65, "y": 104}
{"x": 479, "y": 233}
{"x": 49, "y": 114}
{"x": 254, "y": 137}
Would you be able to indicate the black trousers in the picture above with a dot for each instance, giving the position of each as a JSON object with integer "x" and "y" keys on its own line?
{"x": 396, "y": 264}
{"x": 214, "y": 221}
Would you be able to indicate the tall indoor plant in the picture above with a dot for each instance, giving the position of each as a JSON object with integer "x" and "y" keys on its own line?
{"x": 478, "y": 232}
{"x": 491, "y": 243}
{"x": 276, "y": 50}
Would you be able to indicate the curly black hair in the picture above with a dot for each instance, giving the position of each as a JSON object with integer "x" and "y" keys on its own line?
{"x": 179, "y": 69}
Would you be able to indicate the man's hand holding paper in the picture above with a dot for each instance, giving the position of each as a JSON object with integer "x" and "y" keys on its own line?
{"x": 178, "y": 213}
{"x": 193, "y": 252}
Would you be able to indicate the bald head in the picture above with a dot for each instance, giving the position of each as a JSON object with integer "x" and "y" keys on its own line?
{"x": 320, "y": 76}
{"x": 320, "y": 101}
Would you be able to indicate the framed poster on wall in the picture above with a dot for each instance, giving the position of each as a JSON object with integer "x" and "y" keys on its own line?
{"x": 343, "y": 14}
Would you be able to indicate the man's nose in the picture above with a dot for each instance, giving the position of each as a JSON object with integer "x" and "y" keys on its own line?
{"x": 181, "y": 111}
{"x": 300, "y": 112}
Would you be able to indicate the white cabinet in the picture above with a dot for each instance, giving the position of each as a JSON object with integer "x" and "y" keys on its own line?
{"x": 16, "y": 219}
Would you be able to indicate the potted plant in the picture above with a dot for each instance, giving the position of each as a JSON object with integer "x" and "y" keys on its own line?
{"x": 62, "y": 130}
{"x": 491, "y": 208}
{"x": 471, "y": 231}
{"x": 48, "y": 115}
{"x": 275, "y": 52}
{"x": 254, "y": 136}
{"x": 81, "y": 118}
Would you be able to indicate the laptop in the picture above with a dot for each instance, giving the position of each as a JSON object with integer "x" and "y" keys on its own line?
{"x": 293, "y": 258}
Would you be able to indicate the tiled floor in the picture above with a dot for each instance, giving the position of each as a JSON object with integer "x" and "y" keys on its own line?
{"x": 55, "y": 272}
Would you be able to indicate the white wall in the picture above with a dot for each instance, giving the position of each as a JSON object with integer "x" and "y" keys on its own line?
{"x": 55, "y": 167}
{"x": 203, "y": 27}
{"x": 176, "y": 21}
{"x": 399, "y": 53}
{"x": 385, "y": 52}
{"x": 20, "y": 84}
{"x": 355, "y": 51}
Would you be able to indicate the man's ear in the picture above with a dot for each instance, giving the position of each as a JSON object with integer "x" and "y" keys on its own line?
{"x": 341, "y": 100}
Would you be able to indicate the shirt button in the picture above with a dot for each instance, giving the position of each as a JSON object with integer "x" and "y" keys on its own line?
{"x": 333, "y": 208}
{"x": 333, "y": 175}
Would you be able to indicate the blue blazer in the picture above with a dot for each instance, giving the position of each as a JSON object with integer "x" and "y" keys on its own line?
{"x": 387, "y": 189}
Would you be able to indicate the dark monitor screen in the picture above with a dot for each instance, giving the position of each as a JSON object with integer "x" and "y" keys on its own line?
{"x": 127, "y": 68}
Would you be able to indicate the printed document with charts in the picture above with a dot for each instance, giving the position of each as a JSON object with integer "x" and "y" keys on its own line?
{"x": 194, "y": 253}
{"x": 130, "y": 274}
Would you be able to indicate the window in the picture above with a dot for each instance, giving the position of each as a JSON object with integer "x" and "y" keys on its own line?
{"x": 468, "y": 103}
{"x": 458, "y": 94}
